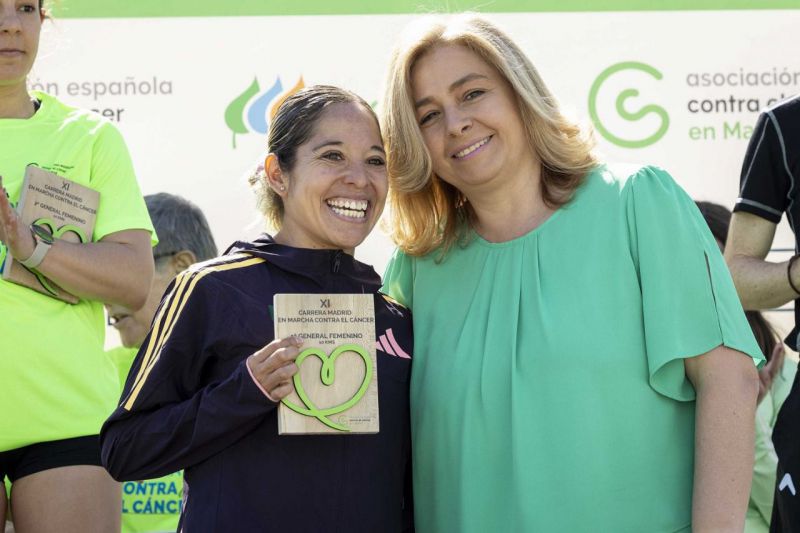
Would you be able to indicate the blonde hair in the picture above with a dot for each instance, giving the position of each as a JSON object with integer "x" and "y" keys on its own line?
{"x": 427, "y": 212}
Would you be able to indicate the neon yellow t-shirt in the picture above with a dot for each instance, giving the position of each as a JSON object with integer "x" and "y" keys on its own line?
{"x": 122, "y": 358}
{"x": 153, "y": 505}
{"x": 56, "y": 380}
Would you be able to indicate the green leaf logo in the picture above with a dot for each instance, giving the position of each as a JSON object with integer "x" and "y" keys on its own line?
{"x": 235, "y": 110}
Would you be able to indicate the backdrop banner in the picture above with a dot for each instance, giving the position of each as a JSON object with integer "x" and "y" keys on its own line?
{"x": 192, "y": 90}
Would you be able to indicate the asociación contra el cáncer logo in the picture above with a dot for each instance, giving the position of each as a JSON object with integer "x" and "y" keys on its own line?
{"x": 624, "y": 112}
{"x": 720, "y": 105}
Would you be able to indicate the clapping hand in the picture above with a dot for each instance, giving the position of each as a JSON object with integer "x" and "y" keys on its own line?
{"x": 13, "y": 233}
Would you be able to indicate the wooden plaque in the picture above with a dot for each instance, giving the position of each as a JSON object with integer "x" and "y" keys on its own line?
{"x": 64, "y": 207}
{"x": 336, "y": 388}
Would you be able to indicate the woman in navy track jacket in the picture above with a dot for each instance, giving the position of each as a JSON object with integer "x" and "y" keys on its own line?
{"x": 202, "y": 394}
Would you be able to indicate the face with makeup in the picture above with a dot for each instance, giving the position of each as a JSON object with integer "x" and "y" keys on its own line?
{"x": 470, "y": 120}
{"x": 335, "y": 191}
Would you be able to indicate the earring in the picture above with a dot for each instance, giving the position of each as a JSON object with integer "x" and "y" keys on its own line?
{"x": 282, "y": 188}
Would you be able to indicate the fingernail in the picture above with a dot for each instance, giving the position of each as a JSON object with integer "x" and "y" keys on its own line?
{"x": 298, "y": 341}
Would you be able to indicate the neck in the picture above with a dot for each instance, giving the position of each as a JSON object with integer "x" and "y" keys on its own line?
{"x": 512, "y": 210}
{"x": 287, "y": 238}
{"x": 15, "y": 102}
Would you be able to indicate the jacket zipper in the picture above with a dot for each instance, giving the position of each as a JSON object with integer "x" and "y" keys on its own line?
{"x": 337, "y": 262}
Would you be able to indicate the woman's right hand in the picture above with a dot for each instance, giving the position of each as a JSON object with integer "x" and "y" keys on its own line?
{"x": 273, "y": 366}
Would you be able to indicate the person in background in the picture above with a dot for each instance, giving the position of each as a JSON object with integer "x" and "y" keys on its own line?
{"x": 775, "y": 378}
{"x": 582, "y": 360}
{"x": 184, "y": 239}
{"x": 56, "y": 383}
{"x": 204, "y": 389}
{"x": 768, "y": 189}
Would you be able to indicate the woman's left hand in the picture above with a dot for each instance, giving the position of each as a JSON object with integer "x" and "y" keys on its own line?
{"x": 13, "y": 233}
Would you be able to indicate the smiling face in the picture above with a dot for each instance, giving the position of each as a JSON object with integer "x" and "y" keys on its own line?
{"x": 335, "y": 192}
{"x": 20, "y": 26}
{"x": 469, "y": 119}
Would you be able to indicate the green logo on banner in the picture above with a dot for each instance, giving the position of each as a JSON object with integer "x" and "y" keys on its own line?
{"x": 631, "y": 116}
{"x": 253, "y": 109}
{"x": 328, "y": 375}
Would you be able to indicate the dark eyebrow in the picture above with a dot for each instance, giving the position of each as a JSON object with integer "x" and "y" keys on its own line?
{"x": 453, "y": 86}
{"x": 340, "y": 143}
{"x": 327, "y": 143}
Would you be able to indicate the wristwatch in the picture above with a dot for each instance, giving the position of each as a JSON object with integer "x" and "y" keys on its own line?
{"x": 44, "y": 240}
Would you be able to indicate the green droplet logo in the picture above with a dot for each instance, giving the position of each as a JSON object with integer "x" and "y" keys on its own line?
{"x": 631, "y": 116}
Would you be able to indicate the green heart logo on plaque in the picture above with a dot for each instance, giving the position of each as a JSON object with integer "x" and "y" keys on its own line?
{"x": 56, "y": 232}
{"x": 328, "y": 375}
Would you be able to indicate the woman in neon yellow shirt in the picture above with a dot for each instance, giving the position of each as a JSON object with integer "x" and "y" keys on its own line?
{"x": 583, "y": 362}
{"x": 56, "y": 384}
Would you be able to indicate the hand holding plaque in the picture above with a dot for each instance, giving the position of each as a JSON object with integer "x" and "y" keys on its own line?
{"x": 335, "y": 389}
{"x": 273, "y": 367}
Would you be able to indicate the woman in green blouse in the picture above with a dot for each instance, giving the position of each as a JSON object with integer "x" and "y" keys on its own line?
{"x": 583, "y": 363}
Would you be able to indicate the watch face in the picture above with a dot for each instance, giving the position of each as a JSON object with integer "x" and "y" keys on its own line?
{"x": 42, "y": 233}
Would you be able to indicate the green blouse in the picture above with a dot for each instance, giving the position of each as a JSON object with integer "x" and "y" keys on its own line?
{"x": 548, "y": 390}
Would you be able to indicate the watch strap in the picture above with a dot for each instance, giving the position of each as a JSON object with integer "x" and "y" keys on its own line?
{"x": 38, "y": 254}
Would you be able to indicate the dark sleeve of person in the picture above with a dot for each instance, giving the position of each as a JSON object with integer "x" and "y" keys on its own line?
{"x": 765, "y": 183}
{"x": 408, "y": 501}
{"x": 170, "y": 416}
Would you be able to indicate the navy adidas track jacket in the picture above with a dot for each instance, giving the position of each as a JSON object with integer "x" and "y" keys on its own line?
{"x": 189, "y": 403}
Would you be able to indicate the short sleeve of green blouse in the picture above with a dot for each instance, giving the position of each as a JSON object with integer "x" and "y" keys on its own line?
{"x": 398, "y": 280}
{"x": 121, "y": 206}
{"x": 690, "y": 305}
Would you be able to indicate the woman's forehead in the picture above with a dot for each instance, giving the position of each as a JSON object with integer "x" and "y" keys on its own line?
{"x": 344, "y": 122}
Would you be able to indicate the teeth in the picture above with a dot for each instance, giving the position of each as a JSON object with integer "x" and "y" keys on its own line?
{"x": 353, "y": 205}
{"x": 466, "y": 151}
{"x": 348, "y": 212}
{"x": 346, "y": 207}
